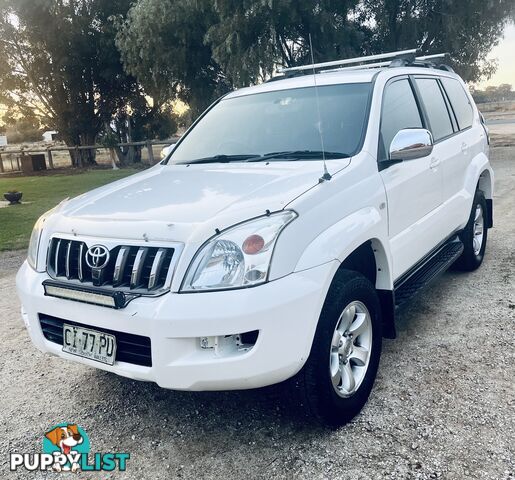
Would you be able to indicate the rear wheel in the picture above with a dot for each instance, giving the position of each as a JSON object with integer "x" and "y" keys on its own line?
{"x": 338, "y": 376}
{"x": 474, "y": 236}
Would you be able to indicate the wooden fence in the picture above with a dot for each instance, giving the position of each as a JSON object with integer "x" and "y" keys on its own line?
{"x": 11, "y": 158}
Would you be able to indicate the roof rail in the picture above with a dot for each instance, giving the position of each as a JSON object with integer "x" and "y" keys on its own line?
{"x": 406, "y": 61}
{"x": 403, "y": 58}
{"x": 347, "y": 61}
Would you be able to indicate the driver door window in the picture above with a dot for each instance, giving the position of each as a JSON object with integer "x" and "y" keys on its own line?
{"x": 400, "y": 111}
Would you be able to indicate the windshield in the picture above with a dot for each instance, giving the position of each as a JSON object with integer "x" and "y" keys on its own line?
{"x": 283, "y": 122}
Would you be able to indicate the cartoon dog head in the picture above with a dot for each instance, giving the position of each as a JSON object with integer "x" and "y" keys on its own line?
{"x": 65, "y": 437}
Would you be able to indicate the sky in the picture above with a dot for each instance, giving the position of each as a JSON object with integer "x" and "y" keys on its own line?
{"x": 505, "y": 55}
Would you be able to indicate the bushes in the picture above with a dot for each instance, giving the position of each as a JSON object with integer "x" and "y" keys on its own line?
{"x": 23, "y": 131}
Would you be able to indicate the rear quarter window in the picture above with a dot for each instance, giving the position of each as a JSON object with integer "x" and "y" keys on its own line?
{"x": 438, "y": 116}
{"x": 460, "y": 102}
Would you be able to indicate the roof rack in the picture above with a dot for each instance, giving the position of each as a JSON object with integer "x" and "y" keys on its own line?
{"x": 401, "y": 58}
{"x": 347, "y": 61}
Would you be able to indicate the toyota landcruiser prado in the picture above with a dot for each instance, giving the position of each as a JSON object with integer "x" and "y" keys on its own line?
{"x": 275, "y": 241}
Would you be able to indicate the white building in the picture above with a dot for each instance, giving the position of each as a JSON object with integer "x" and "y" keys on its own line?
{"x": 3, "y": 140}
{"x": 49, "y": 136}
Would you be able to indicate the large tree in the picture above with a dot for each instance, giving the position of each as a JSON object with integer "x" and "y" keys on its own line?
{"x": 62, "y": 65}
{"x": 254, "y": 37}
{"x": 197, "y": 49}
{"x": 466, "y": 30}
{"x": 162, "y": 44}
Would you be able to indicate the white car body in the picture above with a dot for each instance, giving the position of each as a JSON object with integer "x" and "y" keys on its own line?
{"x": 404, "y": 212}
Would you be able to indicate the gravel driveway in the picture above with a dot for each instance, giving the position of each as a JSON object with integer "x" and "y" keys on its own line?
{"x": 443, "y": 405}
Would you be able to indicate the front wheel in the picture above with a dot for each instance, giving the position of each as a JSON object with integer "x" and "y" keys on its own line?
{"x": 474, "y": 236}
{"x": 338, "y": 376}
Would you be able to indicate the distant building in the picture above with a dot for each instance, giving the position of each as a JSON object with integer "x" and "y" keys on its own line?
{"x": 3, "y": 140}
{"x": 49, "y": 136}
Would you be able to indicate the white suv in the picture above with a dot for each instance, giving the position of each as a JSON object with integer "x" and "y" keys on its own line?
{"x": 274, "y": 242}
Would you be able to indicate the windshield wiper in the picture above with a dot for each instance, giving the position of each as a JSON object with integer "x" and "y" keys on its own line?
{"x": 252, "y": 157}
{"x": 222, "y": 158}
{"x": 299, "y": 155}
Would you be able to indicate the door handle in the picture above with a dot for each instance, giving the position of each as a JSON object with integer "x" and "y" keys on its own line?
{"x": 464, "y": 148}
{"x": 434, "y": 163}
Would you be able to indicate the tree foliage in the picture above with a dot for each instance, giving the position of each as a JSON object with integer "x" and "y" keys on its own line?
{"x": 162, "y": 44}
{"x": 500, "y": 93}
{"x": 466, "y": 30}
{"x": 55, "y": 66}
{"x": 62, "y": 66}
{"x": 23, "y": 130}
{"x": 196, "y": 49}
{"x": 255, "y": 36}
{"x": 252, "y": 38}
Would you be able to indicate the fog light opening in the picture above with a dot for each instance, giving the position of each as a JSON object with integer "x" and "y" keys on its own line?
{"x": 249, "y": 338}
{"x": 226, "y": 345}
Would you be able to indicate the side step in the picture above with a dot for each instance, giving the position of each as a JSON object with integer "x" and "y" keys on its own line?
{"x": 426, "y": 271}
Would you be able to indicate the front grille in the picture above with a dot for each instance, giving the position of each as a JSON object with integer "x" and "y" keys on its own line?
{"x": 130, "y": 348}
{"x": 129, "y": 268}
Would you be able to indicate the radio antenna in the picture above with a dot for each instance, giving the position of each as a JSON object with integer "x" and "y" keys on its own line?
{"x": 326, "y": 176}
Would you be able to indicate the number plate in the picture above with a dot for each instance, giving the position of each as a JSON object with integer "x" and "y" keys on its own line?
{"x": 98, "y": 346}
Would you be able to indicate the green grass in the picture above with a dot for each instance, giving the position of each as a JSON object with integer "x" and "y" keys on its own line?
{"x": 41, "y": 193}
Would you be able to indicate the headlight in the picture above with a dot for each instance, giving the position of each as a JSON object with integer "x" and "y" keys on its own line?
{"x": 32, "y": 254}
{"x": 237, "y": 257}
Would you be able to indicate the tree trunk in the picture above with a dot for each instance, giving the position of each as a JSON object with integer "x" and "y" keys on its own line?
{"x": 82, "y": 157}
{"x": 134, "y": 152}
{"x": 151, "y": 159}
{"x": 88, "y": 156}
{"x": 112, "y": 155}
{"x": 74, "y": 157}
{"x": 122, "y": 156}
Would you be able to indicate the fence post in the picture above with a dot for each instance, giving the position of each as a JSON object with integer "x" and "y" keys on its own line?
{"x": 50, "y": 159}
{"x": 78, "y": 158}
{"x": 1, "y": 164}
{"x": 151, "y": 159}
{"x": 19, "y": 159}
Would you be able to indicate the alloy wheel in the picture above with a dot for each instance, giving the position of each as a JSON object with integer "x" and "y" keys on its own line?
{"x": 351, "y": 346}
{"x": 479, "y": 227}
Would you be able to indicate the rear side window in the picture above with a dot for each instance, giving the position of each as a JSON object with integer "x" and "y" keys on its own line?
{"x": 400, "y": 111}
{"x": 459, "y": 101}
{"x": 436, "y": 109}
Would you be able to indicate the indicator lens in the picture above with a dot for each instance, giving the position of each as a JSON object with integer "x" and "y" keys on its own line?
{"x": 253, "y": 244}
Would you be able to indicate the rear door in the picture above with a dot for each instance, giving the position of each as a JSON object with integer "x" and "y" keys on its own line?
{"x": 468, "y": 142}
{"x": 447, "y": 149}
{"x": 414, "y": 187}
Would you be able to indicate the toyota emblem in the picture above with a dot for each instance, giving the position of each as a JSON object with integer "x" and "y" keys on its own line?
{"x": 97, "y": 256}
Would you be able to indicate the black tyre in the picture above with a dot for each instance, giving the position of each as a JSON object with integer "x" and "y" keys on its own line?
{"x": 474, "y": 236}
{"x": 336, "y": 380}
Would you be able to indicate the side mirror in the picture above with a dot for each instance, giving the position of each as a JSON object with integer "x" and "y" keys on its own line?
{"x": 411, "y": 143}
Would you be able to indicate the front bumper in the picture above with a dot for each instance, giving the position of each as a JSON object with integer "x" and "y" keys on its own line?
{"x": 285, "y": 312}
